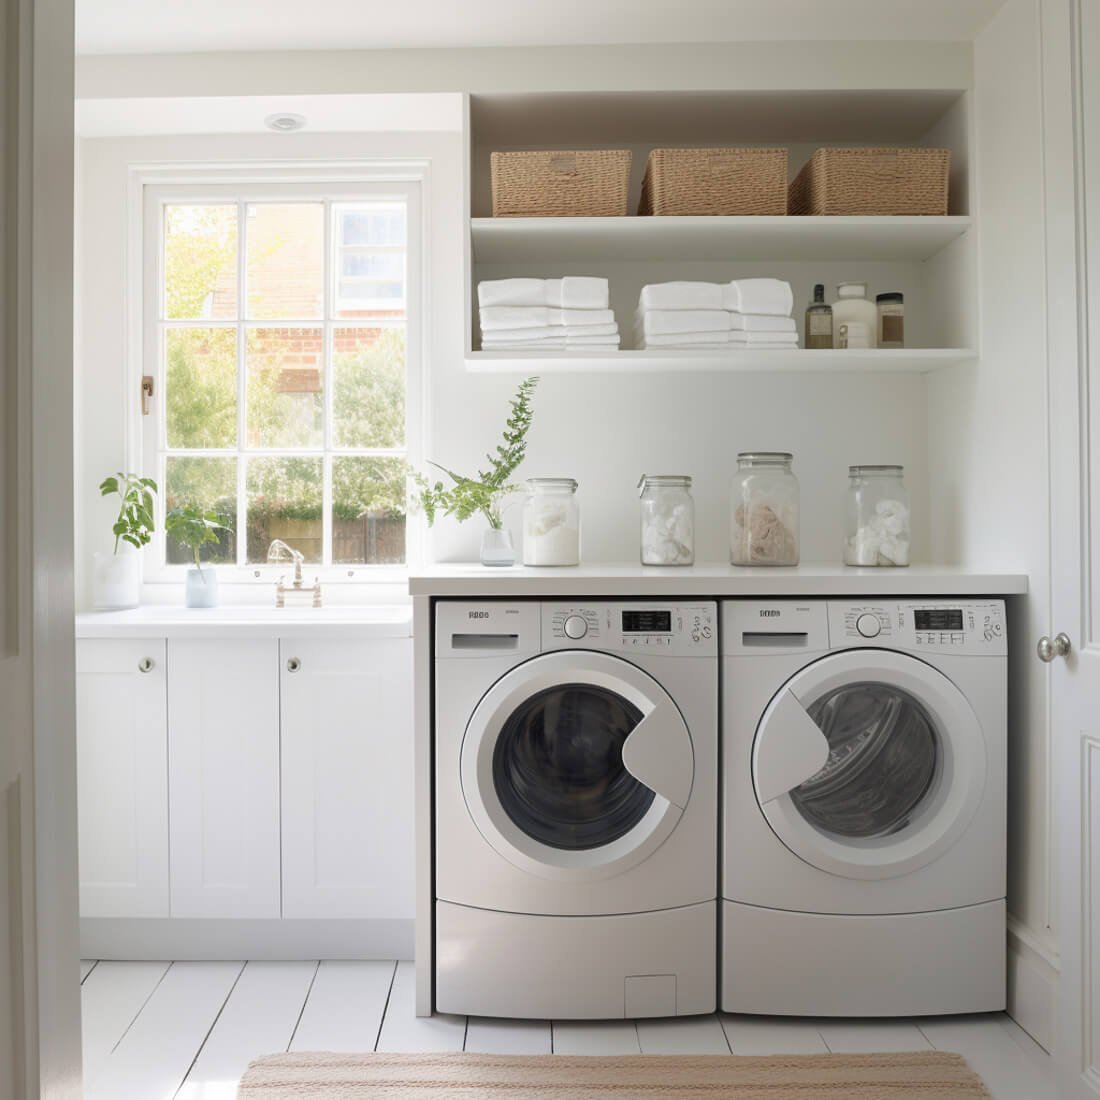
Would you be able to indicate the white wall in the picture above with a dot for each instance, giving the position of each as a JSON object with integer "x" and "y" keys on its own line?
{"x": 988, "y": 468}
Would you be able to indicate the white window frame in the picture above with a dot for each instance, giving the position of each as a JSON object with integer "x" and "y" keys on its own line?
{"x": 152, "y": 188}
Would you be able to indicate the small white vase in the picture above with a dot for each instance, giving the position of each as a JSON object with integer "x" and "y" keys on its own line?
{"x": 116, "y": 579}
{"x": 497, "y": 547}
{"x": 202, "y": 588}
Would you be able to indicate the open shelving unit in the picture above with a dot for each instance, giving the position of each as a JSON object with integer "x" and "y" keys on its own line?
{"x": 929, "y": 259}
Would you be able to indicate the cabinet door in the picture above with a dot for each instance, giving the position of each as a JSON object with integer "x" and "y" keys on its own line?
{"x": 223, "y": 768}
{"x": 347, "y": 778}
{"x": 122, "y": 777}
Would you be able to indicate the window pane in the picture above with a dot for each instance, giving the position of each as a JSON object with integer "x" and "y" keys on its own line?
{"x": 368, "y": 510}
{"x": 200, "y": 262}
{"x": 286, "y": 250}
{"x": 201, "y": 387}
{"x": 368, "y": 387}
{"x": 285, "y": 400}
{"x": 284, "y": 502}
{"x": 207, "y": 483}
{"x": 369, "y": 276}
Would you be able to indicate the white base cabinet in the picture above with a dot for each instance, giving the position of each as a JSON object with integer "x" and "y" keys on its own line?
{"x": 223, "y": 768}
{"x": 347, "y": 799}
{"x": 122, "y": 777}
{"x": 246, "y": 780}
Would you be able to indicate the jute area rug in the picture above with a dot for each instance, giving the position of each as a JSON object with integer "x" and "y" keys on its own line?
{"x": 920, "y": 1075}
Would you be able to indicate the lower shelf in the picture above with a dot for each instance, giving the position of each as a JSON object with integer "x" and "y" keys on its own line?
{"x": 832, "y": 361}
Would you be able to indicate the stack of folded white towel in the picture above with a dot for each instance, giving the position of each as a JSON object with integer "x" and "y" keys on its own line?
{"x": 536, "y": 314}
{"x": 745, "y": 313}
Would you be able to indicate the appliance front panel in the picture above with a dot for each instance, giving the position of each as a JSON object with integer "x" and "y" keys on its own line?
{"x": 637, "y": 630}
{"x": 947, "y": 627}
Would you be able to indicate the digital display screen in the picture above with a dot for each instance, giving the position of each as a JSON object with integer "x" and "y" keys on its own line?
{"x": 936, "y": 619}
{"x": 647, "y": 622}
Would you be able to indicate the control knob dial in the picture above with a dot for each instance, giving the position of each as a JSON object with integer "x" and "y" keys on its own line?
{"x": 575, "y": 627}
{"x": 868, "y": 625}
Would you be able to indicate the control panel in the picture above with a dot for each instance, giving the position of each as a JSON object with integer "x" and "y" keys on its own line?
{"x": 638, "y": 629}
{"x": 933, "y": 626}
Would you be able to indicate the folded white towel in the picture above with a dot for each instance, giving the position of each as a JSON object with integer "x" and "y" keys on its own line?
{"x": 572, "y": 292}
{"x": 787, "y": 339}
{"x": 681, "y": 339}
{"x": 545, "y": 332}
{"x": 508, "y": 317}
{"x": 587, "y": 343}
{"x": 772, "y": 297}
{"x": 768, "y": 296}
{"x": 755, "y": 322}
{"x": 663, "y": 322}
{"x": 650, "y": 346}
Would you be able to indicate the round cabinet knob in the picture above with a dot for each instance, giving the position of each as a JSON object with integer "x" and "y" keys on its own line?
{"x": 575, "y": 627}
{"x": 868, "y": 625}
{"x": 146, "y": 664}
{"x": 293, "y": 664}
{"x": 1048, "y": 649}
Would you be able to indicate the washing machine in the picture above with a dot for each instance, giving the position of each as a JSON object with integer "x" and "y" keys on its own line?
{"x": 575, "y": 809}
{"x": 864, "y": 758}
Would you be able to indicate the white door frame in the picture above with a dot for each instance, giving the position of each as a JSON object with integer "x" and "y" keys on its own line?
{"x": 1075, "y": 725}
{"x": 40, "y": 1013}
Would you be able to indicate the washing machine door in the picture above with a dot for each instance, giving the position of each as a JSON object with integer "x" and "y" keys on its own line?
{"x": 576, "y": 766}
{"x": 869, "y": 763}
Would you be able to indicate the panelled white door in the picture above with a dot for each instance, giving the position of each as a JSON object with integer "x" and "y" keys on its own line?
{"x": 1071, "y": 94}
{"x": 223, "y": 767}
{"x": 122, "y": 777}
{"x": 347, "y": 778}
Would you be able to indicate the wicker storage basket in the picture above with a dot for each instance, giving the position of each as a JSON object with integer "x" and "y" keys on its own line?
{"x": 589, "y": 183}
{"x": 715, "y": 181}
{"x": 872, "y": 181}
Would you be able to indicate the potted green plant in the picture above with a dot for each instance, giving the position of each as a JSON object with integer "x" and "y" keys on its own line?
{"x": 195, "y": 528}
{"x": 116, "y": 577}
{"x": 485, "y": 494}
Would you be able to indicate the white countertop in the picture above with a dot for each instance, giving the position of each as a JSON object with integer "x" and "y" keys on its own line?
{"x": 367, "y": 621}
{"x": 716, "y": 580}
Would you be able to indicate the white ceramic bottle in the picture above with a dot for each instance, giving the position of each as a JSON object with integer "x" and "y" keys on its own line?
{"x": 853, "y": 307}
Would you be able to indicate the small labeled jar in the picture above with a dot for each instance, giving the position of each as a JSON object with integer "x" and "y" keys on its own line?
{"x": 764, "y": 510}
{"x": 551, "y": 522}
{"x": 668, "y": 520}
{"x": 891, "y": 319}
{"x": 877, "y": 522}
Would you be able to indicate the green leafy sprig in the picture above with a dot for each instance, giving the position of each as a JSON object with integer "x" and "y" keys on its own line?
{"x": 135, "y": 523}
{"x": 195, "y": 527}
{"x": 485, "y": 493}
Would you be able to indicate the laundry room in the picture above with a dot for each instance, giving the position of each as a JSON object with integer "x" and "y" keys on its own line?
{"x": 581, "y": 544}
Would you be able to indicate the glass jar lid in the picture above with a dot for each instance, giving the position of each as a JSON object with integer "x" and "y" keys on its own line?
{"x": 764, "y": 458}
{"x": 664, "y": 481}
{"x": 552, "y": 484}
{"x": 876, "y": 471}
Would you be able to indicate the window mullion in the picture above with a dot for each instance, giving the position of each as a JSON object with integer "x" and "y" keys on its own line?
{"x": 242, "y": 388}
{"x": 327, "y": 377}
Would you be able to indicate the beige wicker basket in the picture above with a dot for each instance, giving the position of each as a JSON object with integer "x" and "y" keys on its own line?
{"x": 589, "y": 183}
{"x": 872, "y": 181}
{"x": 715, "y": 181}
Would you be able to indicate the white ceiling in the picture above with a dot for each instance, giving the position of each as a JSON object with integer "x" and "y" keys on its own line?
{"x": 182, "y": 26}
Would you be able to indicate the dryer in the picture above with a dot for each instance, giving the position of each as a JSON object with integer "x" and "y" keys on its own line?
{"x": 864, "y": 834}
{"x": 575, "y": 809}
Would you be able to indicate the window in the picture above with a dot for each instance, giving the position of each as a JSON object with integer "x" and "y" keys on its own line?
{"x": 279, "y": 338}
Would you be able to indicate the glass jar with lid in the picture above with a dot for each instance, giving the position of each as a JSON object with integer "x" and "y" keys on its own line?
{"x": 551, "y": 522}
{"x": 668, "y": 520}
{"x": 764, "y": 510}
{"x": 877, "y": 521}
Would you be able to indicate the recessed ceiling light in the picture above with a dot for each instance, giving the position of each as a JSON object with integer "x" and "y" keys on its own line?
{"x": 284, "y": 123}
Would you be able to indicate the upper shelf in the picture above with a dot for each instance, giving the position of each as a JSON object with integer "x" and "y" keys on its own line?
{"x": 518, "y": 240}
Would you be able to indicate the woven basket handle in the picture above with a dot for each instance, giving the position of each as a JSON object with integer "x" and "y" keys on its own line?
{"x": 563, "y": 164}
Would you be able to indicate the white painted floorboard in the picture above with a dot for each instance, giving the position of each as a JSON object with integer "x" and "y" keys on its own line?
{"x": 490, "y": 1035}
{"x": 595, "y": 1037}
{"x": 345, "y": 1006}
{"x": 188, "y": 1030}
{"x": 260, "y": 1015}
{"x": 110, "y": 999}
{"x": 154, "y": 1056}
{"x": 403, "y": 1030}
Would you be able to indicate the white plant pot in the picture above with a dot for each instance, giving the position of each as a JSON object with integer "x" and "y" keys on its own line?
{"x": 202, "y": 588}
{"x": 116, "y": 579}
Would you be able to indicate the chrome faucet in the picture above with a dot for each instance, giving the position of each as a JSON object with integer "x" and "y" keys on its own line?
{"x": 280, "y": 551}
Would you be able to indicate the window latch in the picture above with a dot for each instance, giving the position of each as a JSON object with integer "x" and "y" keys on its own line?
{"x": 146, "y": 393}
